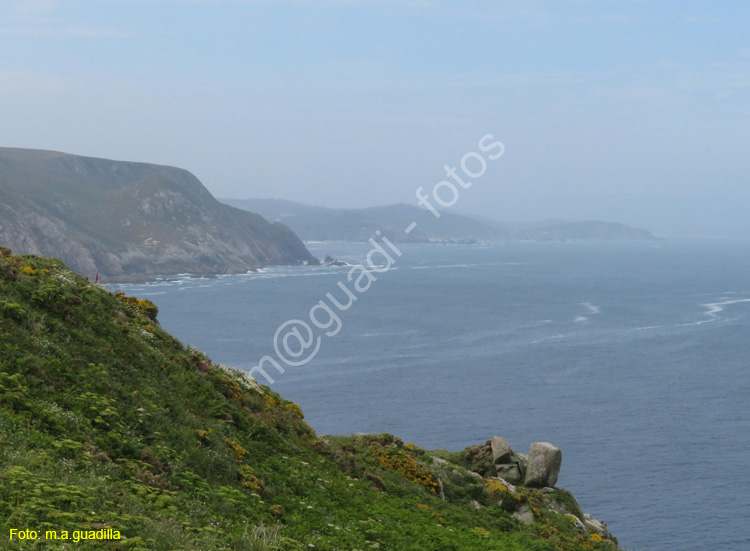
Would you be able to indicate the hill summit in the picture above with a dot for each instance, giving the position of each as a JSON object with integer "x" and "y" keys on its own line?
{"x": 113, "y": 435}
{"x": 130, "y": 220}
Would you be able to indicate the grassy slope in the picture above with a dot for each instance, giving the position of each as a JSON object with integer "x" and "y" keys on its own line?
{"x": 108, "y": 421}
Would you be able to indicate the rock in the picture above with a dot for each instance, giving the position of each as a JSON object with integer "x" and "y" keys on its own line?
{"x": 440, "y": 462}
{"x": 510, "y": 473}
{"x": 479, "y": 459}
{"x": 523, "y": 464}
{"x": 511, "y": 488}
{"x": 476, "y": 504}
{"x": 597, "y": 526}
{"x": 508, "y": 464}
{"x": 577, "y": 522}
{"x": 524, "y": 515}
{"x": 328, "y": 259}
{"x": 338, "y": 263}
{"x": 501, "y": 450}
{"x": 545, "y": 460}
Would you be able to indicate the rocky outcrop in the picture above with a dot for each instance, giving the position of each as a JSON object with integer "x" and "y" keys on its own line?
{"x": 523, "y": 485}
{"x": 508, "y": 464}
{"x": 545, "y": 460}
{"x": 130, "y": 221}
{"x": 540, "y": 468}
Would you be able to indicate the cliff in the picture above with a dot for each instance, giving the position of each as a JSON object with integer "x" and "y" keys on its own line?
{"x": 113, "y": 435}
{"x": 130, "y": 221}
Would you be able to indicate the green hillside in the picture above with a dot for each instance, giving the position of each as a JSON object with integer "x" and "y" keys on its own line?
{"x": 109, "y": 426}
{"x": 130, "y": 221}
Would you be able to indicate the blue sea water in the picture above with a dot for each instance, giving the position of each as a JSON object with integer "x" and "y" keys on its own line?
{"x": 632, "y": 357}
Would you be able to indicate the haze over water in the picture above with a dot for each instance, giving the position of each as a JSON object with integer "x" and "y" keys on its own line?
{"x": 630, "y": 356}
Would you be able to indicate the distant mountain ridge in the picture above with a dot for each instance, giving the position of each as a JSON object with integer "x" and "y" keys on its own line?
{"x": 325, "y": 224}
{"x": 130, "y": 220}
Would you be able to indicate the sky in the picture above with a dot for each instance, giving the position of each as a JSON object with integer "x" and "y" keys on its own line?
{"x": 636, "y": 111}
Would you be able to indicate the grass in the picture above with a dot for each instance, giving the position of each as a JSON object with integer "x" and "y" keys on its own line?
{"x": 106, "y": 421}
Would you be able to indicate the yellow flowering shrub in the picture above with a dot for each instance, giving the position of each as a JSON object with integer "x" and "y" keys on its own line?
{"x": 400, "y": 460}
{"x": 232, "y": 387}
{"x": 291, "y": 406}
{"x": 249, "y": 480}
{"x": 270, "y": 401}
{"x": 144, "y": 306}
{"x": 496, "y": 488}
{"x": 239, "y": 451}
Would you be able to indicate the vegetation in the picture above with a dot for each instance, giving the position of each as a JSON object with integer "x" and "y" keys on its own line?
{"x": 130, "y": 220}
{"x": 107, "y": 422}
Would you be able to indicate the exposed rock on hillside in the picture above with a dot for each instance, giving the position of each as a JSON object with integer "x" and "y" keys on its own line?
{"x": 130, "y": 220}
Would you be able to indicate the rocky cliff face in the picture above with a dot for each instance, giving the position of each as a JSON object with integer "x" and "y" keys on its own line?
{"x": 130, "y": 221}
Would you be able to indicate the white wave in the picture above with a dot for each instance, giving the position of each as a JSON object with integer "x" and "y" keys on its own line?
{"x": 309, "y": 274}
{"x": 723, "y": 293}
{"x": 647, "y": 328}
{"x": 713, "y": 309}
{"x": 696, "y": 323}
{"x": 579, "y": 319}
{"x": 561, "y": 336}
{"x": 592, "y": 308}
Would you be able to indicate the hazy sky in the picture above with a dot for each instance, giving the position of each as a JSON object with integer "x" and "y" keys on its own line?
{"x": 634, "y": 111}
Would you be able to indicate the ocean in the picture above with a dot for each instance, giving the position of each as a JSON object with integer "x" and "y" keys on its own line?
{"x": 632, "y": 357}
